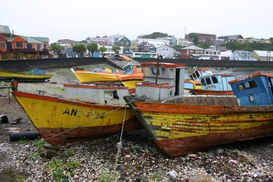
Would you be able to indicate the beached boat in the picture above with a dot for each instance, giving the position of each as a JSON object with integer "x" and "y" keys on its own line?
{"x": 192, "y": 80}
{"x": 181, "y": 124}
{"x": 129, "y": 78}
{"x": 24, "y": 77}
{"x": 216, "y": 84}
{"x": 85, "y": 112}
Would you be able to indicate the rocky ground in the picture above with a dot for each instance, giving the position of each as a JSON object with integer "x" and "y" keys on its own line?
{"x": 139, "y": 160}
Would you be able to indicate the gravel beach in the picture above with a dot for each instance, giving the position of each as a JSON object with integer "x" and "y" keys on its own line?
{"x": 99, "y": 160}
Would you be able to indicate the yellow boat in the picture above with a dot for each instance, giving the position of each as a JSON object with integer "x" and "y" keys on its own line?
{"x": 127, "y": 79}
{"x": 23, "y": 77}
{"x": 86, "y": 111}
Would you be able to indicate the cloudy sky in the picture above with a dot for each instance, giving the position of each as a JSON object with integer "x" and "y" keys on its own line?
{"x": 79, "y": 19}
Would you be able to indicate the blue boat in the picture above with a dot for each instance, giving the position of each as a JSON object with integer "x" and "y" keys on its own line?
{"x": 216, "y": 84}
{"x": 254, "y": 90}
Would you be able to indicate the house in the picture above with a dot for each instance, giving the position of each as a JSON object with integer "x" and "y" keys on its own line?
{"x": 228, "y": 38}
{"x": 191, "y": 51}
{"x": 66, "y": 42}
{"x": 262, "y": 55}
{"x": 123, "y": 42}
{"x": 98, "y": 40}
{"x": 202, "y": 38}
{"x": 111, "y": 40}
{"x": 226, "y": 55}
{"x": 166, "y": 51}
{"x": 3, "y": 46}
{"x": 242, "y": 55}
{"x": 4, "y": 30}
{"x": 21, "y": 47}
{"x": 212, "y": 53}
{"x": 184, "y": 42}
{"x": 155, "y": 42}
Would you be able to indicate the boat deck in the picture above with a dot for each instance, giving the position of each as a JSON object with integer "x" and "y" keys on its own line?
{"x": 204, "y": 100}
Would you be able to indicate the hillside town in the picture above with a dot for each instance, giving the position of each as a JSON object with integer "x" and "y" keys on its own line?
{"x": 200, "y": 46}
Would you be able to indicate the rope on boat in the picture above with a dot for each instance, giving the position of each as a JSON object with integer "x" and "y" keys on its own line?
{"x": 119, "y": 144}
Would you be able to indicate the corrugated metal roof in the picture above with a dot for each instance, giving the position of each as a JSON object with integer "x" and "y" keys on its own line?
{"x": 4, "y": 29}
{"x": 31, "y": 40}
{"x": 41, "y": 39}
{"x": 264, "y": 53}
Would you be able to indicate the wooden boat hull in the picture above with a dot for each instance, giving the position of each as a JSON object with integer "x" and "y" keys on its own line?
{"x": 8, "y": 76}
{"x": 179, "y": 129}
{"x": 62, "y": 121}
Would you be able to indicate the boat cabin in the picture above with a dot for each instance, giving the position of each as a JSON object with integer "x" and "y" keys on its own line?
{"x": 217, "y": 82}
{"x": 161, "y": 80}
{"x": 254, "y": 90}
{"x": 199, "y": 73}
{"x": 98, "y": 94}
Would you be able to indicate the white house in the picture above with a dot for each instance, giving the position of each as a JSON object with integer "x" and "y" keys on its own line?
{"x": 154, "y": 41}
{"x": 226, "y": 55}
{"x": 166, "y": 51}
{"x": 262, "y": 55}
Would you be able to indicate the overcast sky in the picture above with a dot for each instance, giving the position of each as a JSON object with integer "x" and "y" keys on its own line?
{"x": 79, "y": 19}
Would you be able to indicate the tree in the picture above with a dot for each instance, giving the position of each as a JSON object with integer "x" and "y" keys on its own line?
{"x": 56, "y": 48}
{"x": 155, "y": 35}
{"x": 79, "y": 49}
{"x": 116, "y": 49}
{"x": 92, "y": 48}
{"x": 102, "y": 50}
{"x": 194, "y": 38}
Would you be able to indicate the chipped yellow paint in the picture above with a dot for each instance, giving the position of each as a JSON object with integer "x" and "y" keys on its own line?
{"x": 170, "y": 125}
{"x": 53, "y": 114}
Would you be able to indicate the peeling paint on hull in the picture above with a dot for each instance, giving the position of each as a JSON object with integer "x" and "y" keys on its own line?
{"x": 61, "y": 121}
{"x": 179, "y": 129}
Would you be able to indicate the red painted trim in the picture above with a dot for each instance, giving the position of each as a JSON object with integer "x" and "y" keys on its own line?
{"x": 270, "y": 75}
{"x": 199, "y": 109}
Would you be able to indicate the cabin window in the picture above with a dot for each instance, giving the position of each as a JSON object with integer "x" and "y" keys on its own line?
{"x": 208, "y": 81}
{"x": 111, "y": 94}
{"x": 203, "y": 82}
{"x": 163, "y": 71}
{"x": 153, "y": 70}
{"x": 194, "y": 75}
{"x": 197, "y": 74}
{"x": 214, "y": 79}
{"x": 246, "y": 85}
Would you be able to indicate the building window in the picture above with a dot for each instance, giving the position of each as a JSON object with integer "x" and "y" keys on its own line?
{"x": 3, "y": 45}
{"x": 19, "y": 45}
